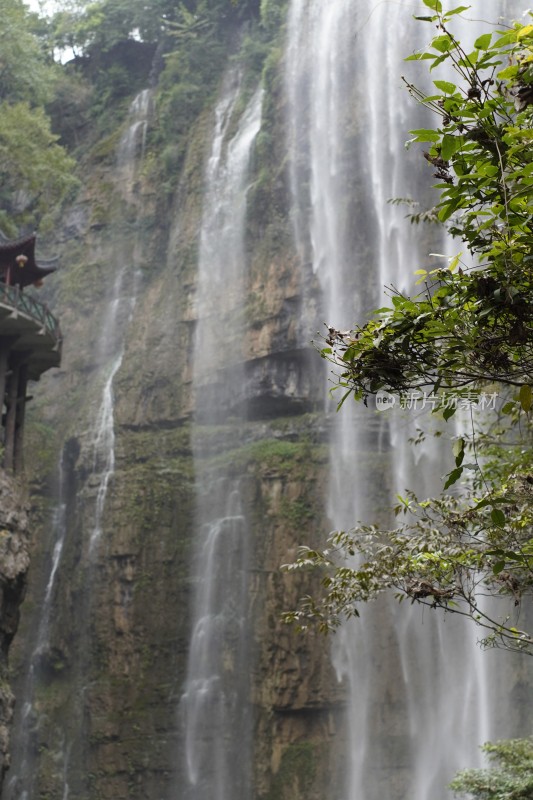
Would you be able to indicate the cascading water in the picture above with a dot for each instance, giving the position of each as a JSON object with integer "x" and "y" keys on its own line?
{"x": 100, "y": 447}
{"x": 215, "y": 705}
{"x": 100, "y": 443}
{"x": 119, "y": 310}
{"x": 22, "y": 776}
{"x": 132, "y": 145}
{"x": 417, "y": 699}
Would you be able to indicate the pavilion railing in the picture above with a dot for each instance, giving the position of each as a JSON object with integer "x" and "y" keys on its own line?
{"x": 12, "y": 296}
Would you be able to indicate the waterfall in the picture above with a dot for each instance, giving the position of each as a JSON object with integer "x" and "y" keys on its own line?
{"x": 215, "y": 704}
{"x": 132, "y": 144}
{"x": 119, "y": 309}
{"x": 20, "y": 783}
{"x": 100, "y": 443}
{"x": 99, "y": 447}
{"x": 416, "y": 685}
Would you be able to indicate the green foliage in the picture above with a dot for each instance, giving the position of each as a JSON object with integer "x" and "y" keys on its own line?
{"x": 468, "y": 325}
{"x": 35, "y": 172}
{"x": 70, "y": 106}
{"x": 510, "y": 777}
{"x": 273, "y": 13}
{"x": 92, "y": 28}
{"x": 470, "y": 328}
{"x": 41, "y": 442}
{"x": 192, "y": 72}
{"x": 268, "y": 212}
{"x": 445, "y": 555}
{"x": 296, "y": 772}
{"x": 296, "y": 513}
{"x": 254, "y": 51}
{"x": 275, "y": 456}
{"x": 25, "y": 72}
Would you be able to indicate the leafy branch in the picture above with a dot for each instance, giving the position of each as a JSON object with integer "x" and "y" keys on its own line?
{"x": 444, "y": 556}
{"x": 471, "y": 325}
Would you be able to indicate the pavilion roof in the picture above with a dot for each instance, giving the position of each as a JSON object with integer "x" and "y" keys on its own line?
{"x": 22, "y": 271}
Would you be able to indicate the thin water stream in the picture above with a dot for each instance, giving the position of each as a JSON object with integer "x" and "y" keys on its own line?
{"x": 21, "y": 779}
{"x": 119, "y": 311}
{"x": 215, "y": 706}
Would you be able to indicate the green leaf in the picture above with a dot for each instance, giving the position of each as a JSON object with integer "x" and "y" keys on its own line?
{"x": 526, "y": 398}
{"x": 442, "y": 43}
{"x": 454, "y": 262}
{"x": 453, "y": 477}
{"x": 420, "y": 57}
{"x": 498, "y": 517}
{"x": 527, "y": 30}
{"x": 482, "y": 504}
{"x": 508, "y": 72}
{"x": 515, "y": 556}
{"x": 425, "y": 135}
{"x": 458, "y": 10}
{"x": 449, "y": 412}
{"x": 445, "y": 86}
{"x": 483, "y": 42}
{"x": 343, "y": 398}
{"x": 434, "y": 5}
{"x": 459, "y": 451}
{"x": 447, "y": 210}
{"x": 507, "y": 38}
{"x": 498, "y": 567}
{"x": 438, "y": 61}
{"x": 450, "y": 145}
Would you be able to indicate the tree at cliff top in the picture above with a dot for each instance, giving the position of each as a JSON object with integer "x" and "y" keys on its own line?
{"x": 35, "y": 171}
{"x": 469, "y": 329}
{"x": 88, "y": 27}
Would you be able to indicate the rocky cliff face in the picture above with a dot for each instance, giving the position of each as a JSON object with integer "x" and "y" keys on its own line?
{"x": 107, "y": 676}
{"x": 14, "y": 563}
{"x": 120, "y": 443}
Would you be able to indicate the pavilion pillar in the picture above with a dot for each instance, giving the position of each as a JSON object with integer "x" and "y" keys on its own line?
{"x": 18, "y": 450}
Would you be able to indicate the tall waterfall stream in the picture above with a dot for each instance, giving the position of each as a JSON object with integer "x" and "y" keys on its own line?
{"x": 215, "y": 702}
{"x": 418, "y": 688}
{"x": 119, "y": 311}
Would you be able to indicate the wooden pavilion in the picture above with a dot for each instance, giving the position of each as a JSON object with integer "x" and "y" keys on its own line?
{"x": 30, "y": 338}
